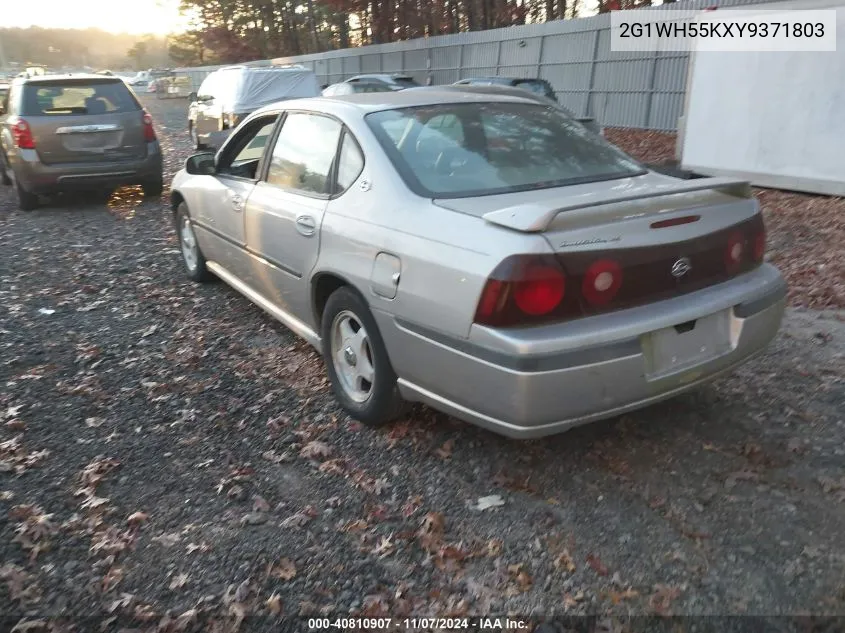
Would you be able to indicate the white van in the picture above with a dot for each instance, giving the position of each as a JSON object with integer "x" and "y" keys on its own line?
{"x": 227, "y": 95}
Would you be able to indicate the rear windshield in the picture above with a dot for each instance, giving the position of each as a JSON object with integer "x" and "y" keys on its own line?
{"x": 473, "y": 149}
{"x": 69, "y": 98}
{"x": 535, "y": 86}
{"x": 406, "y": 81}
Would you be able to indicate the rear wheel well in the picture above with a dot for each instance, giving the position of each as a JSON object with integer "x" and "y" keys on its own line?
{"x": 322, "y": 288}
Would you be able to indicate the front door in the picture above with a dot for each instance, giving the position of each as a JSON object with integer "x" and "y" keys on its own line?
{"x": 225, "y": 196}
{"x": 285, "y": 211}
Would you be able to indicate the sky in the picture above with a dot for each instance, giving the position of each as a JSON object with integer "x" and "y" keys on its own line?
{"x": 119, "y": 16}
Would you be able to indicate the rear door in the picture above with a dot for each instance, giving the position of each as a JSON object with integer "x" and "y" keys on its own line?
{"x": 84, "y": 120}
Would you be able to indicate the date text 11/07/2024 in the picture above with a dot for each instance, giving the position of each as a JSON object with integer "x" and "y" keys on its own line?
{"x": 418, "y": 624}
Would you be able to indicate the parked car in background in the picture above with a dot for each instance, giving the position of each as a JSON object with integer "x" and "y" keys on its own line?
{"x": 481, "y": 254}
{"x": 394, "y": 81}
{"x": 534, "y": 85}
{"x": 346, "y": 88}
{"x": 228, "y": 95}
{"x": 588, "y": 122}
{"x": 153, "y": 86}
{"x": 76, "y": 132}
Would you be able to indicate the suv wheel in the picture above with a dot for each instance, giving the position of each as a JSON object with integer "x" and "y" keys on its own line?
{"x": 5, "y": 178}
{"x": 26, "y": 201}
{"x": 153, "y": 188}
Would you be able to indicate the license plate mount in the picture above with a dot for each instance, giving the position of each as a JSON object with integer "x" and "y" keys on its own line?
{"x": 682, "y": 346}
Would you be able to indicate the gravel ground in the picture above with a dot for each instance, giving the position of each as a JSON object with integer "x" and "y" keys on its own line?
{"x": 169, "y": 453}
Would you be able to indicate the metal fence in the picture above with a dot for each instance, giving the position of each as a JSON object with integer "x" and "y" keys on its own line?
{"x": 620, "y": 89}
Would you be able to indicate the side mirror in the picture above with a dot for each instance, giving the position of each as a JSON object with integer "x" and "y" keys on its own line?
{"x": 192, "y": 96}
{"x": 201, "y": 164}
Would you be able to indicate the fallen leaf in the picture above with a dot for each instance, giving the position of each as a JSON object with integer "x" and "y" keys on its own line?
{"x": 385, "y": 547}
{"x": 315, "y": 450}
{"x": 493, "y": 501}
{"x": 599, "y": 567}
{"x": 178, "y": 581}
{"x": 564, "y": 561}
{"x": 259, "y": 504}
{"x": 445, "y": 451}
{"x": 94, "y": 422}
{"x": 284, "y": 569}
{"x": 274, "y": 604}
{"x": 46, "y": 311}
{"x": 137, "y": 518}
{"x": 242, "y": 592}
{"x": 112, "y": 578}
{"x": 494, "y": 547}
{"x": 618, "y": 596}
{"x": 662, "y": 598}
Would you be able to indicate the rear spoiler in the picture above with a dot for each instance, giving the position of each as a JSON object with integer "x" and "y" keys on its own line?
{"x": 534, "y": 218}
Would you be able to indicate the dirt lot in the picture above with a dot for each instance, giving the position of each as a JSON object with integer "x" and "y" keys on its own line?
{"x": 166, "y": 448}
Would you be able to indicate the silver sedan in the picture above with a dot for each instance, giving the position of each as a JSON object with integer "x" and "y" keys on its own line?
{"x": 483, "y": 254}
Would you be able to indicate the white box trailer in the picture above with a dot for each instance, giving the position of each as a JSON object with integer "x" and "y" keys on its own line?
{"x": 776, "y": 119}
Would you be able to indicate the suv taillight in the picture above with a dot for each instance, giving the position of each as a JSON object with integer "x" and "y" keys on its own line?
{"x": 22, "y": 134}
{"x": 149, "y": 131}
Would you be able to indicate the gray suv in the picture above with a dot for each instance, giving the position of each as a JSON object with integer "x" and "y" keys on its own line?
{"x": 63, "y": 133}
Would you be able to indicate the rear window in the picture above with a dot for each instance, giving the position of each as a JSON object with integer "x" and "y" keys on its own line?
{"x": 408, "y": 82}
{"x": 475, "y": 149}
{"x": 70, "y": 98}
{"x": 535, "y": 86}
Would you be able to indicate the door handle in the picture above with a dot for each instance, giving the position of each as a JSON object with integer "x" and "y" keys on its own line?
{"x": 306, "y": 225}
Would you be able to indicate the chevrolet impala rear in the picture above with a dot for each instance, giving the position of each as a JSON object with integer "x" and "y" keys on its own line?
{"x": 585, "y": 286}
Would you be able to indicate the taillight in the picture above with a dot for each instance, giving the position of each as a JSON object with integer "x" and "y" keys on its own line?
{"x": 601, "y": 282}
{"x": 149, "y": 131}
{"x": 22, "y": 135}
{"x": 735, "y": 251}
{"x": 520, "y": 290}
{"x": 758, "y": 240}
{"x": 541, "y": 289}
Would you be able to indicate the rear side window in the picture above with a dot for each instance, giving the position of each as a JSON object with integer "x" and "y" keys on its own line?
{"x": 63, "y": 99}
{"x": 408, "y": 82}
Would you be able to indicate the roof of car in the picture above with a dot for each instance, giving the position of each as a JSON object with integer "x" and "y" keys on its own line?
{"x": 69, "y": 77}
{"x": 375, "y": 101}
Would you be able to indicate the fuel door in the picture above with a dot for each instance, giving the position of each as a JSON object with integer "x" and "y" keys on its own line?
{"x": 384, "y": 279}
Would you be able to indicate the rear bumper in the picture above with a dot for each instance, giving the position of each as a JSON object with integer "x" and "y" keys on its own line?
{"x": 36, "y": 177}
{"x": 545, "y": 380}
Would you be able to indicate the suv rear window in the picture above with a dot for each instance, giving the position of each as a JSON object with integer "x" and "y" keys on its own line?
{"x": 63, "y": 98}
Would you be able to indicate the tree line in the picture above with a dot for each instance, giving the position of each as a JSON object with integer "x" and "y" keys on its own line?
{"x": 231, "y": 31}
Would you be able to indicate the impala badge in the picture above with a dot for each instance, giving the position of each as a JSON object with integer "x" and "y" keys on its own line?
{"x": 681, "y": 267}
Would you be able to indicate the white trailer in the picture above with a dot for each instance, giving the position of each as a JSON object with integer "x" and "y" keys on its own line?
{"x": 776, "y": 119}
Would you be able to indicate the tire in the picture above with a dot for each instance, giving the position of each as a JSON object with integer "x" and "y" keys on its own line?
{"x": 26, "y": 201}
{"x": 4, "y": 172}
{"x": 373, "y": 402}
{"x": 194, "y": 265}
{"x": 153, "y": 188}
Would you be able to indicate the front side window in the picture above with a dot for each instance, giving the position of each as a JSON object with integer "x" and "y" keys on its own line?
{"x": 69, "y": 98}
{"x": 304, "y": 153}
{"x": 243, "y": 154}
{"x": 473, "y": 149}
